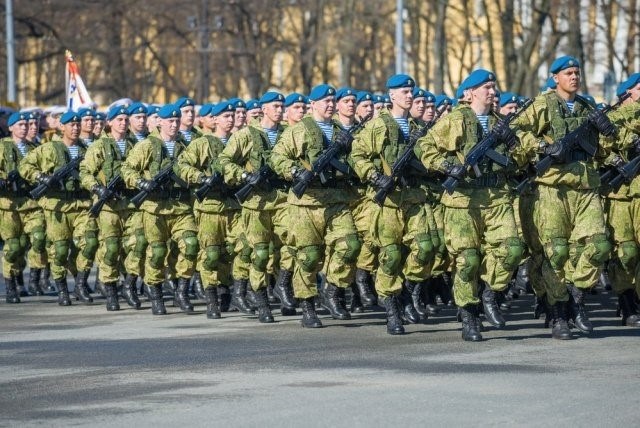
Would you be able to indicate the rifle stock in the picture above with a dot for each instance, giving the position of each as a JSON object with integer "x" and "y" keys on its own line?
{"x": 57, "y": 177}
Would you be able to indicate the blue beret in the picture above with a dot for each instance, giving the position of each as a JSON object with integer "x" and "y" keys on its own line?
{"x": 387, "y": 99}
{"x": 418, "y": 93}
{"x": 522, "y": 99}
{"x": 100, "y": 116}
{"x": 378, "y": 99}
{"x": 631, "y": 81}
{"x": 253, "y": 104}
{"x": 442, "y": 99}
{"x": 205, "y": 110}
{"x": 69, "y": 116}
{"x": 562, "y": 63}
{"x": 117, "y": 111}
{"x": 362, "y": 96}
{"x": 137, "y": 108}
{"x": 221, "y": 107}
{"x": 294, "y": 98}
{"x": 423, "y": 93}
{"x": 321, "y": 91}
{"x": 589, "y": 99}
{"x": 508, "y": 98}
{"x": 454, "y": 103}
{"x": 459, "y": 93}
{"x": 400, "y": 81}
{"x": 270, "y": 97}
{"x": 169, "y": 111}
{"x": 184, "y": 102}
{"x": 86, "y": 112}
{"x": 550, "y": 83}
{"x": 153, "y": 109}
{"x": 602, "y": 106}
{"x": 237, "y": 103}
{"x": 476, "y": 78}
{"x": 17, "y": 117}
{"x": 345, "y": 92}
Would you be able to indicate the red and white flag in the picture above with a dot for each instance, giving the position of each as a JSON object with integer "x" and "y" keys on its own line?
{"x": 77, "y": 95}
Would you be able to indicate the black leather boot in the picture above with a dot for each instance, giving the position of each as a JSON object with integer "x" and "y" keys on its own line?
{"x": 100, "y": 288}
{"x": 211, "y": 297}
{"x": 418, "y": 303}
{"x": 408, "y": 310}
{"x": 271, "y": 283}
{"x": 629, "y": 309}
{"x": 356, "y": 306}
{"x": 283, "y": 289}
{"x": 80, "y": 289}
{"x": 470, "y": 323}
{"x": 604, "y": 280}
{"x": 239, "y": 296}
{"x": 129, "y": 291}
{"x": 111, "y": 290}
{"x": 560, "y": 325}
{"x": 34, "y": 282}
{"x": 578, "y": 311}
{"x": 20, "y": 288}
{"x": 198, "y": 288}
{"x": 45, "y": 280}
{"x": 264, "y": 312}
{"x": 157, "y": 299}
{"x": 332, "y": 301}
{"x": 446, "y": 287}
{"x": 491, "y": 309}
{"x": 169, "y": 287}
{"x": 224, "y": 298}
{"x": 63, "y": 292}
{"x": 182, "y": 296}
{"x": 393, "y": 309}
{"x": 309, "y": 317}
{"x": 364, "y": 283}
{"x": 12, "y": 291}
{"x": 429, "y": 288}
{"x": 522, "y": 284}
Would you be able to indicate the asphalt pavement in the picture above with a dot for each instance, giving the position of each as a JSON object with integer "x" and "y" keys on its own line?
{"x": 80, "y": 365}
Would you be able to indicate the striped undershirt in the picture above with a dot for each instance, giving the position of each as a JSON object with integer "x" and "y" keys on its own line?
{"x": 87, "y": 141}
{"x": 571, "y": 105}
{"x": 484, "y": 121}
{"x": 122, "y": 145}
{"x": 403, "y": 123}
{"x": 186, "y": 134}
{"x": 74, "y": 151}
{"x": 170, "y": 146}
{"x": 224, "y": 140}
{"x": 22, "y": 147}
{"x": 327, "y": 129}
{"x": 139, "y": 137}
{"x": 272, "y": 134}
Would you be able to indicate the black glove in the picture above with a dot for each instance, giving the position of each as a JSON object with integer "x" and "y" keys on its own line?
{"x": 303, "y": 175}
{"x": 416, "y": 134}
{"x": 618, "y": 163}
{"x": 209, "y": 180}
{"x": 557, "y": 151}
{"x": 456, "y": 171}
{"x": 102, "y": 192}
{"x": 3, "y": 184}
{"x": 381, "y": 181}
{"x": 146, "y": 185}
{"x": 505, "y": 134}
{"x": 344, "y": 140}
{"x": 601, "y": 122}
{"x": 45, "y": 179}
{"x": 251, "y": 178}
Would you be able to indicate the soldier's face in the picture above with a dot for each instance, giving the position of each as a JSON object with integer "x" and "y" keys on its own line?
{"x": 429, "y": 112}
{"x": 71, "y": 130}
{"x": 568, "y": 80}
{"x": 119, "y": 124}
{"x": 508, "y": 108}
{"x": 188, "y": 116}
{"x": 484, "y": 94}
{"x": 240, "y": 117}
{"x": 209, "y": 122}
{"x": 86, "y": 124}
{"x": 323, "y": 109}
{"x": 365, "y": 109}
{"x": 169, "y": 127}
{"x": 34, "y": 126}
{"x": 417, "y": 107}
{"x": 98, "y": 127}
{"x": 376, "y": 109}
{"x": 635, "y": 92}
{"x": 347, "y": 106}
{"x": 153, "y": 121}
{"x": 296, "y": 111}
{"x": 273, "y": 111}
{"x": 19, "y": 130}
{"x": 138, "y": 122}
{"x": 255, "y": 113}
{"x": 225, "y": 121}
{"x": 401, "y": 97}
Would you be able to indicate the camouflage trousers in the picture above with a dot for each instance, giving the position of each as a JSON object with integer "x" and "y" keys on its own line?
{"x": 524, "y": 206}
{"x": 282, "y": 255}
{"x": 442, "y": 260}
{"x": 74, "y": 241}
{"x": 258, "y": 250}
{"x": 623, "y": 222}
{"x": 161, "y": 231}
{"x": 110, "y": 256}
{"x": 571, "y": 227}
{"x": 215, "y": 256}
{"x": 236, "y": 239}
{"x": 22, "y": 232}
{"x": 134, "y": 244}
{"x": 322, "y": 237}
{"x": 484, "y": 244}
{"x": 362, "y": 211}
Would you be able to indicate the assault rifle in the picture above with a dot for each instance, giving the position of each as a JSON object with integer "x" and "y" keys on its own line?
{"x": 404, "y": 160}
{"x": 160, "y": 178}
{"x": 253, "y": 180}
{"x": 95, "y": 209}
{"x": 202, "y": 191}
{"x": 572, "y": 141}
{"x": 325, "y": 159}
{"x": 486, "y": 148}
{"x": 57, "y": 177}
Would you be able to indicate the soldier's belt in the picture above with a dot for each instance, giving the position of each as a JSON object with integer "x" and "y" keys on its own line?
{"x": 487, "y": 180}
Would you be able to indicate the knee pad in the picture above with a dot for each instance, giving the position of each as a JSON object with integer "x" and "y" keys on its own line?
{"x": 558, "y": 253}
{"x": 213, "y": 254}
{"x": 435, "y": 240}
{"x": 513, "y": 254}
{"x": 12, "y": 250}
{"x": 260, "y": 257}
{"x": 245, "y": 252}
{"x": 600, "y": 249}
{"x": 90, "y": 245}
{"x": 38, "y": 240}
{"x": 140, "y": 248}
{"x": 468, "y": 269}
{"x": 628, "y": 255}
{"x": 229, "y": 251}
{"x": 61, "y": 252}
{"x": 353, "y": 247}
{"x": 309, "y": 258}
{"x": 424, "y": 244}
{"x": 112, "y": 250}
{"x": 391, "y": 259}
{"x": 24, "y": 243}
{"x": 191, "y": 246}
{"x": 158, "y": 254}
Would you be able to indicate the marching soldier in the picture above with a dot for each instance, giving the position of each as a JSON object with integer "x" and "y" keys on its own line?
{"x": 187, "y": 119}
{"x": 87, "y": 124}
{"x": 295, "y": 105}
